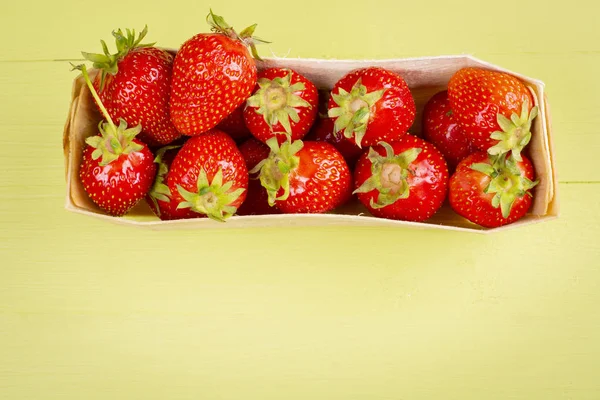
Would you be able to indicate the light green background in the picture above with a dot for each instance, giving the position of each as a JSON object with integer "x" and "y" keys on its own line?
{"x": 91, "y": 310}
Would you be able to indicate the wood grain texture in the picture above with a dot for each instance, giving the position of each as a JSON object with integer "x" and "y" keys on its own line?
{"x": 94, "y": 310}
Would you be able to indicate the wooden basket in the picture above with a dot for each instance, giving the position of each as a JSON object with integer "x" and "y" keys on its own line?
{"x": 425, "y": 76}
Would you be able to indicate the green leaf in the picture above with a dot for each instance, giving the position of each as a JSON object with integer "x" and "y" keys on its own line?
{"x": 361, "y": 116}
{"x": 96, "y": 154}
{"x": 496, "y": 201}
{"x": 184, "y": 204}
{"x": 370, "y": 184}
{"x": 407, "y": 157}
{"x": 282, "y": 117}
{"x": 524, "y": 110}
{"x": 295, "y": 147}
{"x": 516, "y": 153}
{"x": 95, "y": 58}
{"x": 105, "y": 48}
{"x": 248, "y": 32}
{"x": 340, "y": 97}
{"x": 506, "y": 203}
{"x": 297, "y": 101}
{"x": 335, "y": 112}
{"x": 484, "y": 168}
{"x": 202, "y": 180}
{"x": 218, "y": 178}
{"x": 373, "y": 97}
{"x": 359, "y": 134}
{"x": 533, "y": 113}
{"x": 227, "y": 186}
{"x": 516, "y": 120}
{"x": 498, "y": 135}
{"x": 216, "y": 21}
{"x": 341, "y": 122}
{"x": 504, "y": 123}
{"x": 293, "y": 114}
{"x": 297, "y": 87}
{"x": 389, "y": 150}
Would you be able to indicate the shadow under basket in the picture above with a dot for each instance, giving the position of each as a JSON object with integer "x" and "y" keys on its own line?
{"x": 425, "y": 77}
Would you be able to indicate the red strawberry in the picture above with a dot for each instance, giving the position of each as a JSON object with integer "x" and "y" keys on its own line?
{"x": 285, "y": 104}
{"x": 257, "y": 200}
{"x": 492, "y": 191}
{"x": 134, "y": 84}
{"x": 371, "y": 105}
{"x": 404, "y": 180}
{"x": 234, "y": 124}
{"x": 209, "y": 176}
{"x": 117, "y": 170}
{"x": 441, "y": 129}
{"x": 213, "y": 74}
{"x": 161, "y": 200}
{"x": 304, "y": 177}
{"x": 494, "y": 109}
{"x": 323, "y": 131}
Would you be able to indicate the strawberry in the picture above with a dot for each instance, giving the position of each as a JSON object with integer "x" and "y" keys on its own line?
{"x": 161, "y": 200}
{"x": 134, "y": 85}
{"x": 494, "y": 109}
{"x": 323, "y": 131}
{"x": 117, "y": 170}
{"x": 370, "y": 105}
{"x": 304, "y": 177}
{"x": 213, "y": 74}
{"x": 492, "y": 191}
{"x": 441, "y": 129}
{"x": 234, "y": 124}
{"x": 405, "y": 180}
{"x": 257, "y": 199}
{"x": 285, "y": 104}
{"x": 209, "y": 176}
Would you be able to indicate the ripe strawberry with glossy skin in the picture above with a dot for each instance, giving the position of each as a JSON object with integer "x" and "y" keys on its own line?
{"x": 257, "y": 199}
{"x": 371, "y": 105}
{"x": 209, "y": 176}
{"x": 285, "y": 105}
{"x": 161, "y": 200}
{"x": 492, "y": 191}
{"x": 117, "y": 170}
{"x": 134, "y": 85}
{"x": 405, "y": 180}
{"x": 441, "y": 129}
{"x": 234, "y": 124}
{"x": 304, "y": 177}
{"x": 494, "y": 109}
{"x": 213, "y": 74}
{"x": 323, "y": 131}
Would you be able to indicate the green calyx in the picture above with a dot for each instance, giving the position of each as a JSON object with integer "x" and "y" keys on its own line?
{"x": 277, "y": 102}
{"x": 212, "y": 199}
{"x": 160, "y": 191}
{"x": 218, "y": 25}
{"x": 113, "y": 140}
{"x": 275, "y": 169}
{"x": 354, "y": 110}
{"x": 515, "y": 133}
{"x": 507, "y": 183}
{"x": 125, "y": 42}
{"x": 389, "y": 175}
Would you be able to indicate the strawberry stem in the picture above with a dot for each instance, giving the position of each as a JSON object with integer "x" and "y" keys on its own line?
{"x": 218, "y": 25}
{"x": 83, "y": 70}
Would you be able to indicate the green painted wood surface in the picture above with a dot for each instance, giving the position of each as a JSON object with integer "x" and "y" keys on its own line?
{"x": 98, "y": 311}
